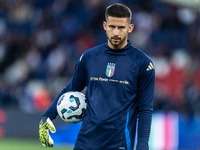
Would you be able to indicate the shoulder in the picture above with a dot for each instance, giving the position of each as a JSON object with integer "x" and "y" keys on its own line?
{"x": 137, "y": 54}
{"x": 142, "y": 60}
{"x": 93, "y": 52}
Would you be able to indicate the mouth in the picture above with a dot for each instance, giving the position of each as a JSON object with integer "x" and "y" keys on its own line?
{"x": 115, "y": 39}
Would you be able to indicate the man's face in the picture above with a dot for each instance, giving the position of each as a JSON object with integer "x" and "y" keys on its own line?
{"x": 117, "y": 30}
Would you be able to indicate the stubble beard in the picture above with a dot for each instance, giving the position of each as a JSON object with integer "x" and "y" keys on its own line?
{"x": 117, "y": 45}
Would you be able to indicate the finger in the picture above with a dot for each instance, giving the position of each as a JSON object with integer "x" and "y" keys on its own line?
{"x": 51, "y": 140}
{"x": 44, "y": 137}
{"x": 44, "y": 145}
{"x": 51, "y": 126}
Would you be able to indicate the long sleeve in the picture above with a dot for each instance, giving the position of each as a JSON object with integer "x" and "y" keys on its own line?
{"x": 146, "y": 84}
{"x": 76, "y": 83}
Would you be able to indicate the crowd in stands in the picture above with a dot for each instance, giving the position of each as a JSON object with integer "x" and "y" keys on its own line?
{"x": 41, "y": 41}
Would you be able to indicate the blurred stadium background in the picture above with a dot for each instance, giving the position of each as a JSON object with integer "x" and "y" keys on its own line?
{"x": 41, "y": 40}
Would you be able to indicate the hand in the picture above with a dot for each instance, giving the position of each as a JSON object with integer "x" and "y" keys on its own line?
{"x": 44, "y": 126}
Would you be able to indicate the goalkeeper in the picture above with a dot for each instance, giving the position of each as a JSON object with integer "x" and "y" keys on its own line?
{"x": 121, "y": 100}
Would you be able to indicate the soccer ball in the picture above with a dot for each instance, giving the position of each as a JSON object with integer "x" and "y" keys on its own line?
{"x": 71, "y": 106}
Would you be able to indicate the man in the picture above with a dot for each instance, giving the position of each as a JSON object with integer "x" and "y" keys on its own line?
{"x": 121, "y": 100}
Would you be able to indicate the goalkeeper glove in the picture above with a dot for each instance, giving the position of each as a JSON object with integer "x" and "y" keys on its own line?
{"x": 44, "y": 126}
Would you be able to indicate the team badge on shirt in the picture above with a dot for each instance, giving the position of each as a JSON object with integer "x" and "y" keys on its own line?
{"x": 110, "y": 69}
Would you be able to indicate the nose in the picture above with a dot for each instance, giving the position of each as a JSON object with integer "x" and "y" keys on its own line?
{"x": 115, "y": 32}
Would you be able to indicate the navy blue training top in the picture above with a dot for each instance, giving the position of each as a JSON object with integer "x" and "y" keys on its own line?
{"x": 120, "y": 94}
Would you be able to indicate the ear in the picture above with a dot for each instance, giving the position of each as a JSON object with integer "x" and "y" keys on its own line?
{"x": 104, "y": 25}
{"x": 131, "y": 26}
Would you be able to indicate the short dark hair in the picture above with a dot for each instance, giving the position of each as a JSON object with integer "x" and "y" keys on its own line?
{"x": 118, "y": 10}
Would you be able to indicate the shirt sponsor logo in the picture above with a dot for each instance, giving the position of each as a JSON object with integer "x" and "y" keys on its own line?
{"x": 110, "y": 69}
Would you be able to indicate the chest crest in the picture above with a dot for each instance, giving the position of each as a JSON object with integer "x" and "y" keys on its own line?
{"x": 110, "y": 69}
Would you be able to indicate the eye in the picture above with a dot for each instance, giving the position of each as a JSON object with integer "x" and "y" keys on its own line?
{"x": 111, "y": 26}
{"x": 121, "y": 27}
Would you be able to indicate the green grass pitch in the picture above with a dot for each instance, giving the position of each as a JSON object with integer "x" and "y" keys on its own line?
{"x": 25, "y": 144}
